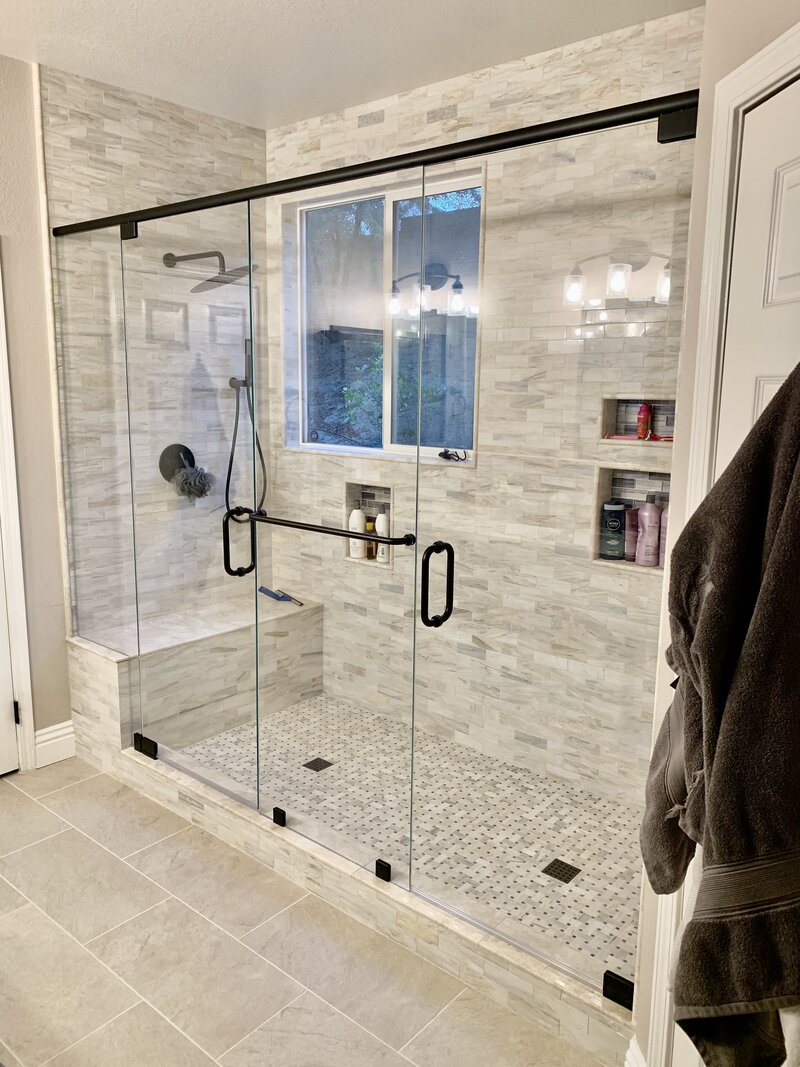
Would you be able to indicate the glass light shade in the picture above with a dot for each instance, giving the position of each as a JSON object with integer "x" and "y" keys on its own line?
{"x": 663, "y": 286}
{"x": 421, "y": 293}
{"x": 456, "y": 304}
{"x": 574, "y": 290}
{"x": 619, "y": 276}
{"x": 393, "y": 305}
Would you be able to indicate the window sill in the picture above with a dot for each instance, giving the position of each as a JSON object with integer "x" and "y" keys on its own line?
{"x": 428, "y": 456}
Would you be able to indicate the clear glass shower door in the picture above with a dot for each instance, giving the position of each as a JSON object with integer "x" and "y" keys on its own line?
{"x": 533, "y": 700}
{"x": 190, "y": 389}
{"x": 340, "y": 356}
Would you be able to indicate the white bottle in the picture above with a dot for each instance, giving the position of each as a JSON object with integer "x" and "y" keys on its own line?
{"x": 649, "y": 531}
{"x": 662, "y": 544}
{"x": 358, "y": 524}
{"x": 382, "y": 530}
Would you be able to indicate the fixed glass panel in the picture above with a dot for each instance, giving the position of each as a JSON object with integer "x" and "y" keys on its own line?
{"x": 336, "y": 669}
{"x": 534, "y": 700}
{"x": 190, "y": 390}
{"x": 94, "y": 428}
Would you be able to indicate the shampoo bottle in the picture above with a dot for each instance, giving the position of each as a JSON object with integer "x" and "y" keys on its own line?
{"x": 382, "y": 530}
{"x": 358, "y": 524}
{"x": 662, "y": 544}
{"x": 649, "y": 533}
{"x": 631, "y": 533}
{"x": 644, "y": 421}
{"x": 371, "y": 545}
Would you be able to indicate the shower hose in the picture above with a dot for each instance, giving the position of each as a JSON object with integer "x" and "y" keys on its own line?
{"x": 238, "y": 384}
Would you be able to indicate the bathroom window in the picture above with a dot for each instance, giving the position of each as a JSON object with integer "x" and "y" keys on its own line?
{"x": 368, "y": 290}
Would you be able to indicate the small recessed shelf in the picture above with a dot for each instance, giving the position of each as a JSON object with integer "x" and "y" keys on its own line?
{"x": 630, "y": 487}
{"x": 371, "y": 498}
{"x": 619, "y": 417}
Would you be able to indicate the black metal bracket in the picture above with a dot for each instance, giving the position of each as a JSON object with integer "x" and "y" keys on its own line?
{"x": 128, "y": 231}
{"x": 16, "y": 712}
{"x": 279, "y": 816}
{"x": 383, "y": 870}
{"x": 437, "y": 620}
{"x": 677, "y": 125}
{"x": 618, "y": 989}
{"x": 146, "y": 745}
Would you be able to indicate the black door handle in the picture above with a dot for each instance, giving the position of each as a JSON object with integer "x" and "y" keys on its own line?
{"x": 236, "y": 514}
{"x": 438, "y": 546}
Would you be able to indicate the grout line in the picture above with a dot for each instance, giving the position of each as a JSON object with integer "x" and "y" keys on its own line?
{"x": 116, "y": 976}
{"x": 74, "y": 785}
{"x": 397, "y": 1052}
{"x": 257, "y": 1028}
{"x": 49, "y": 792}
{"x": 91, "y": 1034}
{"x": 144, "y": 848}
{"x": 30, "y": 844}
{"x": 271, "y": 917}
{"x": 130, "y": 919}
{"x": 435, "y": 1017}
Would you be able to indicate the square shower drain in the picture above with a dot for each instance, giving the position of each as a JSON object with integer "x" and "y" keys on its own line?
{"x": 563, "y": 872}
{"x": 318, "y": 764}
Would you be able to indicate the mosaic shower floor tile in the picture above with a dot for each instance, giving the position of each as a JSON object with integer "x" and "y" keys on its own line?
{"x": 483, "y": 831}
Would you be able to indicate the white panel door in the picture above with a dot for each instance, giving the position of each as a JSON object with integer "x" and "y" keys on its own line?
{"x": 762, "y": 341}
{"x": 9, "y": 758}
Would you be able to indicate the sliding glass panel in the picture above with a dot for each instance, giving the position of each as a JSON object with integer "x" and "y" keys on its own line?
{"x": 190, "y": 402}
{"x": 336, "y": 664}
{"x": 534, "y": 699}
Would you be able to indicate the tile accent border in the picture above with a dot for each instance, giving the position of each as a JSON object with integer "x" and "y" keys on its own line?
{"x": 55, "y": 743}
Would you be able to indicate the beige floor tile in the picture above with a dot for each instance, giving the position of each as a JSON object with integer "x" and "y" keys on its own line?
{"x": 231, "y": 889}
{"x": 203, "y": 980}
{"x": 56, "y": 776}
{"x": 381, "y": 985}
{"x": 52, "y": 991}
{"x": 79, "y": 885}
{"x": 22, "y": 820}
{"x": 139, "y": 1038}
{"x": 475, "y": 1032}
{"x": 311, "y": 1032}
{"x": 113, "y": 815}
{"x": 9, "y": 900}
{"x": 7, "y": 1057}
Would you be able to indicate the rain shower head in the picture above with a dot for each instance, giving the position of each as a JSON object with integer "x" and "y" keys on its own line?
{"x": 222, "y": 277}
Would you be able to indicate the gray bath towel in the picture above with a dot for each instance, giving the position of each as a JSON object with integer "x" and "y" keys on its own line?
{"x": 725, "y": 772}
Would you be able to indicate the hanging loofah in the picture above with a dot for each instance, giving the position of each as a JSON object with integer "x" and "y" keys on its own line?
{"x": 193, "y": 482}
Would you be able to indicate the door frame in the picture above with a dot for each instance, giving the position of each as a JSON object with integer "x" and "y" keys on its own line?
{"x": 766, "y": 73}
{"x": 12, "y": 559}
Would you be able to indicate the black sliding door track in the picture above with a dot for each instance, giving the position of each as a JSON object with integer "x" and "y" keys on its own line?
{"x": 658, "y": 108}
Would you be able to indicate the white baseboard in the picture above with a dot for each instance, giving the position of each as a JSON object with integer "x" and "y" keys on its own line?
{"x": 634, "y": 1056}
{"x": 55, "y": 743}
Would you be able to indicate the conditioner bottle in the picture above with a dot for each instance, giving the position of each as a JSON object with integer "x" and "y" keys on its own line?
{"x": 649, "y": 533}
{"x": 382, "y": 530}
{"x": 357, "y": 524}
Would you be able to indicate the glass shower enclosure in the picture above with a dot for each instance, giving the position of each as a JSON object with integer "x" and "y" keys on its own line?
{"x": 339, "y": 495}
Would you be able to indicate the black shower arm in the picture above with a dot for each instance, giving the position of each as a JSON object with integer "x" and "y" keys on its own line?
{"x": 170, "y": 260}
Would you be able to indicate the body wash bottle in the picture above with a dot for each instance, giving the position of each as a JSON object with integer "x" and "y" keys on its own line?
{"x": 358, "y": 524}
{"x": 382, "y": 530}
{"x": 649, "y": 533}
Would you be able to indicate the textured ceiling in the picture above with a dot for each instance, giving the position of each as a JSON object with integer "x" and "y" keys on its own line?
{"x": 268, "y": 62}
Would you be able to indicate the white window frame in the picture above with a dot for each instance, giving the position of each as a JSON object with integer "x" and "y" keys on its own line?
{"x": 391, "y": 193}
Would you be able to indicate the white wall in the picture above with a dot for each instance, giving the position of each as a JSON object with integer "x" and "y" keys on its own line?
{"x": 21, "y": 248}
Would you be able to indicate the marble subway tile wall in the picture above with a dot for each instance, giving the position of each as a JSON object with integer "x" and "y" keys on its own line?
{"x": 549, "y": 659}
{"x": 107, "y": 151}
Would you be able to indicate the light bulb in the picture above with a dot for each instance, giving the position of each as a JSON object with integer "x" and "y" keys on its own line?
{"x": 663, "y": 286}
{"x": 456, "y": 304}
{"x": 618, "y": 278}
{"x": 393, "y": 305}
{"x": 574, "y": 289}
